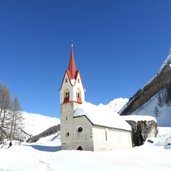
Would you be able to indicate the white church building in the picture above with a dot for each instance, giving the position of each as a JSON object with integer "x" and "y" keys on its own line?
{"x": 85, "y": 126}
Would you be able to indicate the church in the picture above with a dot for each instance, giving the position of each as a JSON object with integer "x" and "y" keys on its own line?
{"x": 85, "y": 126}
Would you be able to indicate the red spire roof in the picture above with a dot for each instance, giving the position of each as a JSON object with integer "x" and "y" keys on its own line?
{"x": 72, "y": 71}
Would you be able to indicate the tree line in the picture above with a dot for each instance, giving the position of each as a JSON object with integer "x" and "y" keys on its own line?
{"x": 11, "y": 119}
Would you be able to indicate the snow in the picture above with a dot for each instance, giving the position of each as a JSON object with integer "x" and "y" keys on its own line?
{"x": 137, "y": 118}
{"x": 35, "y": 123}
{"x": 72, "y": 81}
{"x": 46, "y": 154}
{"x": 101, "y": 115}
{"x": 117, "y": 104}
{"x": 164, "y": 136}
{"x": 153, "y": 108}
{"x": 51, "y": 140}
{"x": 47, "y": 157}
{"x": 167, "y": 61}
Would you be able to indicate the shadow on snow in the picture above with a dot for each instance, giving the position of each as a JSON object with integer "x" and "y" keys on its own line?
{"x": 46, "y": 148}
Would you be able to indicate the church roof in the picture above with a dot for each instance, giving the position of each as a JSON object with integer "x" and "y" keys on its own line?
{"x": 72, "y": 70}
{"x": 102, "y": 116}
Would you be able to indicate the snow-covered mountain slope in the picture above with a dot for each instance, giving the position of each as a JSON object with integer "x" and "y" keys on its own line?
{"x": 43, "y": 156}
{"x": 154, "y": 98}
{"x": 117, "y": 104}
{"x": 51, "y": 140}
{"x": 158, "y": 107}
{"x": 36, "y": 123}
{"x": 167, "y": 61}
{"x": 48, "y": 132}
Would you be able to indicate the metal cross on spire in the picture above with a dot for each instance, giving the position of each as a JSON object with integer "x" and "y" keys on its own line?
{"x": 72, "y": 44}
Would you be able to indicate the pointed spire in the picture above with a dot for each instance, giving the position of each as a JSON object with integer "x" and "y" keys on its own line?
{"x": 72, "y": 67}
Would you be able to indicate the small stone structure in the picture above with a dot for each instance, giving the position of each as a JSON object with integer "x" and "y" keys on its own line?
{"x": 143, "y": 127}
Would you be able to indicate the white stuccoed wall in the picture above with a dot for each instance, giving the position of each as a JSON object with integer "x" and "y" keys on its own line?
{"x": 79, "y": 86}
{"x": 115, "y": 138}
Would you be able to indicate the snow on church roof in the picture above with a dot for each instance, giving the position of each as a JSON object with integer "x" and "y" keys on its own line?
{"x": 137, "y": 118}
{"x": 101, "y": 115}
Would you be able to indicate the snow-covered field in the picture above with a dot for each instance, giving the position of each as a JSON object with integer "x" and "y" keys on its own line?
{"x": 46, "y": 155}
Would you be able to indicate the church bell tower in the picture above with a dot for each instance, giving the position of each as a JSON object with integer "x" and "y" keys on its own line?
{"x": 71, "y": 96}
{"x": 72, "y": 88}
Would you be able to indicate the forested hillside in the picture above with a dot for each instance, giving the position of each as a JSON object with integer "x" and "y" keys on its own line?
{"x": 154, "y": 98}
{"x": 162, "y": 81}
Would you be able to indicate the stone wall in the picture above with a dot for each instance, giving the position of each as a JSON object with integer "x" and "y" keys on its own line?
{"x": 142, "y": 130}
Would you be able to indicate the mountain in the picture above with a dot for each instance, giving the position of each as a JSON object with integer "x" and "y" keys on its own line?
{"x": 117, "y": 104}
{"x": 167, "y": 61}
{"x": 36, "y": 123}
{"x": 154, "y": 98}
{"x": 53, "y": 132}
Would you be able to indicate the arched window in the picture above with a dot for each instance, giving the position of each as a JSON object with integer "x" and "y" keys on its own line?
{"x": 80, "y": 148}
{"x": 78, "y": 96}
{"x": 66, "y": 96}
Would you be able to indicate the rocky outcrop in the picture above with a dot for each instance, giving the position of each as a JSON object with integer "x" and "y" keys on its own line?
{"x": 141, "y": 130}
{"x": 50, "y": 131}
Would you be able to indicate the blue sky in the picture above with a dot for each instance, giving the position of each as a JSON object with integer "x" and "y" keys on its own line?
{"x": 119, "y": 46}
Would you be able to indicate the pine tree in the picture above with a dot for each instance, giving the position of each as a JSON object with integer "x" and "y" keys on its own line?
{"x": 160, "y": 101}
{"x": 156, "y": 111}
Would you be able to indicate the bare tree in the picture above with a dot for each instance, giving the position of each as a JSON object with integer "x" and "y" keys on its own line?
{"x": 6, "y": 101}
{"x": 1, "y": 98}
{"x": 11, "y": 120}
{"x": 16, "y": 123}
